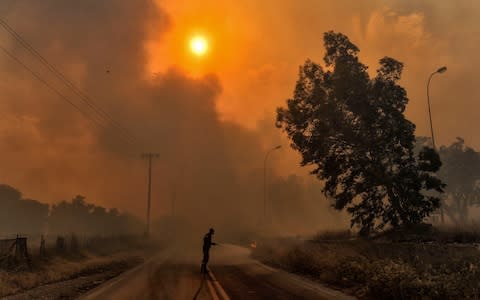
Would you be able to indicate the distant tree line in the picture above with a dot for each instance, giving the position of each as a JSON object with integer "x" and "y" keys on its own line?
{"x": 461, "y": 172}
{"x": 26, "y": 216}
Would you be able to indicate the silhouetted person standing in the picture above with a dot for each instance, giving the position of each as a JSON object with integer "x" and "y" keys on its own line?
{"x": 207, "y": 243}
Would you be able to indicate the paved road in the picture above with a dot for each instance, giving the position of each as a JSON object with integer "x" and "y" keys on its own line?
{"x": 175, "y": 275}
{"x": 165, "y": 276}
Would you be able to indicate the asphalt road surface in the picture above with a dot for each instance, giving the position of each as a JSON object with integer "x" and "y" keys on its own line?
{"x": 175, "y": 274}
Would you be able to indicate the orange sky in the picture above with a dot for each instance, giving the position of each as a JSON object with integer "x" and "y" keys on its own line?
{"x": 51, "y": 152}
{"x": 257, "y": 46}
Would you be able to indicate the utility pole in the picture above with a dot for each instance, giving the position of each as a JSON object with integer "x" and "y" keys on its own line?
{"x": 177, "y": 181}
{"x": 149, "y": 157}
{"x": 174, "y": 196}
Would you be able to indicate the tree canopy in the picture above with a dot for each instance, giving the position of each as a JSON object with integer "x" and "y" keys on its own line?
{"x": 352, "y": 129}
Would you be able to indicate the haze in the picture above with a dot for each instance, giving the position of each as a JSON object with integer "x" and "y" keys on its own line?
{"x": 210, "y": 118}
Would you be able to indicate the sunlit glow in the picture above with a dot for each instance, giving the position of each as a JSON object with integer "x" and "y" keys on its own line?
{"x": 199, "y": 45}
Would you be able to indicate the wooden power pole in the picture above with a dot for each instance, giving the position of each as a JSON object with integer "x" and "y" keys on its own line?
{"x": 149, "y": 157}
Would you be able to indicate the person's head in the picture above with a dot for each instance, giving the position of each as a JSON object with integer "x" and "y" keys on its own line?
{"x": 211, "y": 231}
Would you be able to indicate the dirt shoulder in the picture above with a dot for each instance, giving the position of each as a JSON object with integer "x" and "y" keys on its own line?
{"x": 65, "y": 278}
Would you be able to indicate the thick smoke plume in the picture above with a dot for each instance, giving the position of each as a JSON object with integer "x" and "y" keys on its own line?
{"x": 209, "y": 171}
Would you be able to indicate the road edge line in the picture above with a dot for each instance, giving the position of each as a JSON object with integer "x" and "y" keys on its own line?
{"x": 113, "y": 281}
{"x": 218, "y": 286}
{"x": 309, "y": 284}
{"x": 96, "y": 291}
{"x": 212, "y": 291}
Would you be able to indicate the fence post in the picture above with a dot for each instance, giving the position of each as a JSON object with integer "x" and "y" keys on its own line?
{"x": 43, "y": 250}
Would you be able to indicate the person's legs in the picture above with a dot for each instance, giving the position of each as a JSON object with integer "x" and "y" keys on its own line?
{"x": 205, "y": 262}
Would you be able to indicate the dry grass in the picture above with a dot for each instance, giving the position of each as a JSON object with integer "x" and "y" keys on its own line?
{"x": 91, "y": 256}
{"x": 59, "y": 269}
{"x": 333, "y": 235}
{"x": 382, "y": 270}
{"x": 467, "y": 234}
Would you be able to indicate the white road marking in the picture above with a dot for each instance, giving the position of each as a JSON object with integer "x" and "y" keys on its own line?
{"x": 306, "y": 283}
{"x": 118, "y": 280}
{"x": 218, "y": 286}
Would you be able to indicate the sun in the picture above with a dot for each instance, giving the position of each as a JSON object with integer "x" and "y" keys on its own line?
{"x": 199, "y": 45}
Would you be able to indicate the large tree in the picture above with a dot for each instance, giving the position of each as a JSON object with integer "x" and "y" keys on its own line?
{"x": 352, "y": 128}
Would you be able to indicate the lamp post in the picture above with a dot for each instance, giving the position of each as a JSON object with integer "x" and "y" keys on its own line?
{"x": 439, "y": 71}
{"x": 265, "y": 179}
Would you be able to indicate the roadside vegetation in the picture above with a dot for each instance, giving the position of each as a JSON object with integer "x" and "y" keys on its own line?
{"x": 438, "y": 264}
{"x": 58, "y": 269}
{"x": 42, "y": 244}
{"x": 93, "y": 256}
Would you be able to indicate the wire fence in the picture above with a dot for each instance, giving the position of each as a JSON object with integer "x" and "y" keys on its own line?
{"x": 21, "y": 250}
{"x": 14, "y": 252}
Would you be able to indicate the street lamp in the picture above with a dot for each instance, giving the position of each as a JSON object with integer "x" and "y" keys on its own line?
{"x": 439, "y": 71}
{"x": 265, "y": 180}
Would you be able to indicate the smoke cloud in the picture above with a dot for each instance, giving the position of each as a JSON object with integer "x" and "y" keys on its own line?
{"x": 209, "y": 170}
{"x": 211, "y": 131}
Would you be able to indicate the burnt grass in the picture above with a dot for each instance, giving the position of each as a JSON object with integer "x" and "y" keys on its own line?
{"x": 439, "y": 264}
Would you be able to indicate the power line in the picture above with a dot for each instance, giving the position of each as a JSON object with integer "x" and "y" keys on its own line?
{"x": 7, "y": 8}
{"x": 84, "y": 97}
{"x": 101, "y": 113}
{"x": 52, "y": 88}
